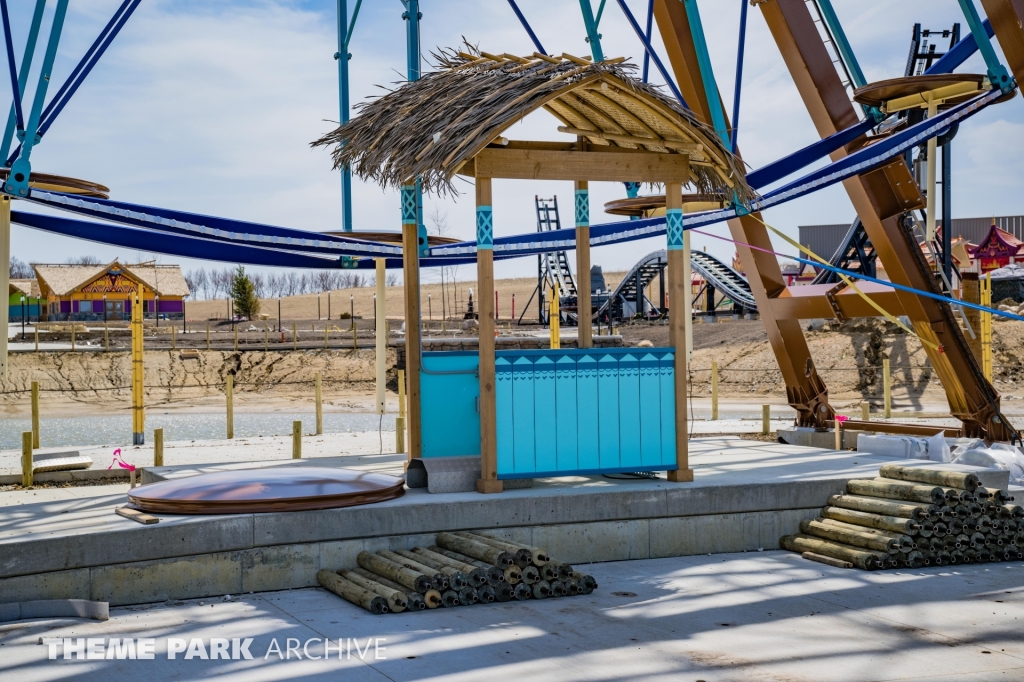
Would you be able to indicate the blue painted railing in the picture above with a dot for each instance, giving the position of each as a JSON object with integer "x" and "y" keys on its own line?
{"x": 560, "y": 412}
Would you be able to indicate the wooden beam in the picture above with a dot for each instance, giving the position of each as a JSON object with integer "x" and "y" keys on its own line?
{"x": 679, "y": 297}
{"x": 583, "y": 305}
{"x": 488, "y": 481}
{"x": 411, "y": 272}
{"x": 519, "y": 164}
{"x": 808, "y": 301}
{"x": 632, "y": 139}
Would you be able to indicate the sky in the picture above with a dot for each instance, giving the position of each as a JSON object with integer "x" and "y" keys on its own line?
{"x": 210, "y": 108}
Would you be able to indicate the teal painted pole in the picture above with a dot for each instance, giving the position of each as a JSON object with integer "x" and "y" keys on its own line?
{"x": 842, "y": 44}
{"x": 413, "y": 64}
{"x": 343, "y": 56}
{"x": 593, "y": 37}
{"x": 996, "y": 71}
{"x": 706, "y": 72}
{"x": 17, "y": 182}
{"x": 26, "y": 65}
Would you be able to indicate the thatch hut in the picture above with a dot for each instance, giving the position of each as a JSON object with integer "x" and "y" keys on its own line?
{"x": 451, "y": 122}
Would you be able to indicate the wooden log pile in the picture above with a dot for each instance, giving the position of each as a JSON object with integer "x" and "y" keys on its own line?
{"x": 461, "y": 569}
{"x": 913, "y": 517}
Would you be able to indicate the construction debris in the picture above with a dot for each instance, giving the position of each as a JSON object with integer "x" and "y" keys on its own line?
{"x": 462, "y": 569}
{"x": 913, "y": 517}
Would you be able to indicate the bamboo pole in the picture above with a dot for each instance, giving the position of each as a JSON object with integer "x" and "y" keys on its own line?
{"x": 35, "y": 414}
{"x": 297, "y": 439}
{"x": 438, "y": 580}
{"x": 897, "y": 490}
{"x": 397, "y": 599}
{"x": 967, "y": 481}
{"x": 861, "y": 558}
{"x": 538, "y": 556}
{"x": 887, "y": 389}
{"x": 400, "y": 419}
{"x": 873, "y": 505}
{"x": 415, "y": 600}
{"x": 158, "y": 447}
{"x": 229, "y": 396}
{"x": 494, "y": 574}
{"x": 477, "y": 550}
{"x": 319, "y": 396}
{"x": 26, "y": 459}
{"x": 583, "y": 306}
{"x": 488, "y": 482}
{"x": 895, "y": 524}
{"x": 679, "y": 294}
{"x": 372, "y": 602}
{"x": 395, "y": 571}
{"x": 714, "y": 390}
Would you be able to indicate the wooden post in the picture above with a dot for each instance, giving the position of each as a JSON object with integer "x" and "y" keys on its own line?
{"x": 319, "y": 403}
{"x": 555, "y": 318}
{"x": 380, "y": 315}
{"x": 297, "y": 439}
{"x": 584, "y": 337}
{"x": 411, "y": 265}
{"x": 488, "y": 482}
{"x": 400, "y": 419}
{"x": 72, "y": 336}
{"x": 229, "y": 395}
{"x": 35, "y": 334}
{"x": 986, "y": 327}
{"x": 839, "y": 434}
{"x": 5, "y": 272}
{"x": 174, "y": 343}
{"x": 325, "y": 336}
{"x": 678, "y": 289}
{"x": 865, "y": 411}
{"x": 714, "y": 389}
{"x": 106, "y": 338}
{"x": 766, "y": 419}
{"x": 138, "y": 395}
{"x": 886, "y": 389}
{"x": 295, "y": 337}
{"x": 26, "y": 459}
{"x": 158, "y": 447}
{"x": 266, "y": 338}
{"x": 35, "y": 414}
{"x": 207, "y": 336}
{"x": 236, "y": 338}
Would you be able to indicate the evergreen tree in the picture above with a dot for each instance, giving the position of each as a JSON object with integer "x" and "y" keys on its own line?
{"x": 243, "y": 293}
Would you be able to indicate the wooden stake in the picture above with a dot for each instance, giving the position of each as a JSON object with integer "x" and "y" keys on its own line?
{"x": 236, "y": 339}
{"x": 72, "y": 336}
{"x": 266, "y": 339}
{"x": 106, "y": 338}
{"x": 138, "y": 391}
{"x": 5, "y": 259}
{"x": 174, "y": 343}
{"x": 325, "y": 336}
{"x": 229, "y": 394}
{"x": 766, "y": 419}
{"x": 297, "y": 439}
{"x": 679, "y": 295}
{"x": 839, "y": 434}
{"x": 295, "y": 337}
{"x": 714, "y": 389}
{"x": 26, "y": 459}
{"x": 207, "y": 336}
{"x": 319, "y": 404}
{"x": 488, "y": 481}
{"x": 35, "y": 414}
{"x": 136, "y": 515}
{"x": 865, "y": 411}
{"x": 400, "y": 419}
{"x": 887, "y": 389}
{"x": 35, "y": 334}
{"x": 411, "y": 265}
{"x": 986, "y": 326}
{"x": 158, "y": 447}
{"x": 583, "y": 308}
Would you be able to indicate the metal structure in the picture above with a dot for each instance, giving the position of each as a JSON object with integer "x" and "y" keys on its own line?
{"x": 552, "y": 266}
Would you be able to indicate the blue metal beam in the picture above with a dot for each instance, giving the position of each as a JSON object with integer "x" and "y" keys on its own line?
{"x": 996, "y": 71}
{"x": 650, "y": 27}
{"x": 343, "y": 56}
{"x": 17, "y": 181}
{"x": 526, "y": 25}
{"x": 707, "y": 73}
{"x": 960, "y": 52}
{"x": 26, "y": 66}
{"x": 12, "y": 66}
{"x": 654, "y": 56}
{"x": 739, "y": 73}
{"x": 593, "y": 37}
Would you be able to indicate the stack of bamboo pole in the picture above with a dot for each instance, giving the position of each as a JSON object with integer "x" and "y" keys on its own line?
{"x": 913, "y": 517}
{"x": 461, "y": 569}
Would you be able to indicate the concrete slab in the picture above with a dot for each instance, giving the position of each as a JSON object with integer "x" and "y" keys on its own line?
{"x": 725, "y": 618}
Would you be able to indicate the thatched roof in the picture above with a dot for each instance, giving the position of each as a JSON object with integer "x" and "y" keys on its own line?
{"x": 28, "y": 287}
{"x": 63, "y": 280}
{"x": 430, "y": 127}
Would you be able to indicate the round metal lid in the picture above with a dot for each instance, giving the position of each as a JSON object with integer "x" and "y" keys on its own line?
{"x": 270, "y": 489}
{"x": 877, "y": 94}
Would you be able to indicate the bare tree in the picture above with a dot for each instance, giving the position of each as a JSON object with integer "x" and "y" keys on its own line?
{"x": 259, "y": 284}
{"x": 449, "y": 273}
{"x": 84, "y": 260}
{"x": 392, "y": 279}
{"x": 19, "y": 269}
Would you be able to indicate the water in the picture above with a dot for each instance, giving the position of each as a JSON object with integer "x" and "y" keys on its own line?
{"x": 116, "y": 430}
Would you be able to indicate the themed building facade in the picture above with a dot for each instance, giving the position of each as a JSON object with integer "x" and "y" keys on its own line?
{"x": 23, "y": 300}
{"x": 104, "y": 292}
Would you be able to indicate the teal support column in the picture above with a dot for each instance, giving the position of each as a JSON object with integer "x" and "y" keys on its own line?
{"x": 593, "y": 37}
{"x": 343, "y": 57}
{"x": 26, "y": 66}
{"x": 412, "y": 16}
{"x": 707, "y": 73}
{"x": 996, "y": 71}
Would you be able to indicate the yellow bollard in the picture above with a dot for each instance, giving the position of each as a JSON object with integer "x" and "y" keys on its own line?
{"x": 766, "y": 419}
{"x": 296, "y": 440}
{"x": 158, "y": 447}
{"x": 886, "y": 390}
{"x": 839, "y": 434}
{"x": 35, "y": 414}
{"x": 865, "y": 412}
{"x": 400, "y": 419}
{"x": 986, "y": 327}
{"x": 319, "y": 404}
{"x": 26, "y": 459}
{"x": 714, "y": 389}
{"x": 554, "y": 319}
{"x": 229, "y": 393}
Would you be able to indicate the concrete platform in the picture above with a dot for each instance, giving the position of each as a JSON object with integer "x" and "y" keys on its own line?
{"x": 752, "y": 617}
{"x": 746, "y": 494}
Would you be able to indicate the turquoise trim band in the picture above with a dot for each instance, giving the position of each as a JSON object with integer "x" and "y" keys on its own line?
{"x": 484, "y": 228}
{"x": 674, "y": 228}
{"x": 582, "y": 208}
{"x": 409, "y": 204}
